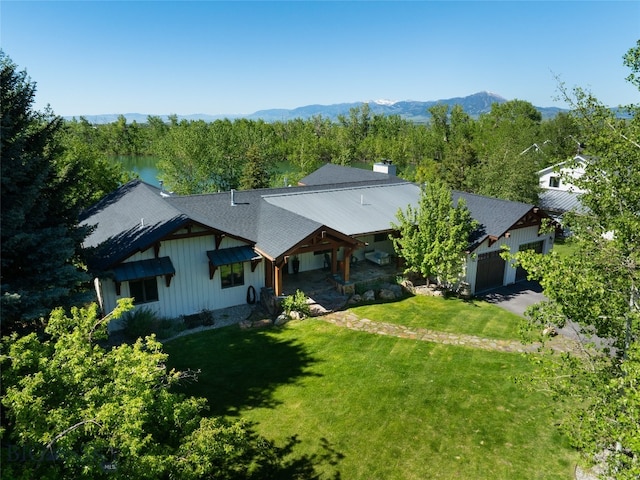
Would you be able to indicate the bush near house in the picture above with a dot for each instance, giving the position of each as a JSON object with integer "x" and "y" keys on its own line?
{"x": 296, "y": 303}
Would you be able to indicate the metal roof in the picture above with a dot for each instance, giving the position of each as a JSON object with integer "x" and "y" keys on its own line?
{"x": 559, "y": 201}
{"x": 227, "y": 256}
{"x": 353, "y": 210}
{"x": 153, "y": 267}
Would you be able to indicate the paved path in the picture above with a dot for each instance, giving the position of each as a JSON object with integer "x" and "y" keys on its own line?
{"x": 349, "y": 320}
{"x": 516, "y": 297}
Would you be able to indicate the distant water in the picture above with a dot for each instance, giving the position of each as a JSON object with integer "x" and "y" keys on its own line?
{"x": 145, "y": 167}
{"x": 147, "y": 170}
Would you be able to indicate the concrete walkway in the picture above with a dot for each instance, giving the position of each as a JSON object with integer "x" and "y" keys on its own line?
{"x": 349, "y": 320}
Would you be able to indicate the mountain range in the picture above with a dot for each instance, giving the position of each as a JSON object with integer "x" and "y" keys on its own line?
{"x": 416, "y": 111}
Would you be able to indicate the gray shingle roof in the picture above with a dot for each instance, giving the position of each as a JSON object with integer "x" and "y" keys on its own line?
{"x": 495, "y": 215}
{"x": 272, "y": 229}
{"x": 127, "y": 220}
{"x": 137, "y": 215}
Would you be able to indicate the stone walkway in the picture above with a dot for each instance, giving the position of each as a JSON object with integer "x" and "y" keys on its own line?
{"x": 349, "y": 320}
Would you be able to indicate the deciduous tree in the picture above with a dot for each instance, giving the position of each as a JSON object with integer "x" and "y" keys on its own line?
{"x": 75, "y": 409}
{"x": 597, "y": 288}
{"x": 433, "y": 238}
{"x": 502, "y": 136}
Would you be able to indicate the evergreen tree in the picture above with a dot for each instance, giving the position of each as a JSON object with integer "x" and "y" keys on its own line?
{"x": 255, "y": 173}
{"x": 40, "y": 240}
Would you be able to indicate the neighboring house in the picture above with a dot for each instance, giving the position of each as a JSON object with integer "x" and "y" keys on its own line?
{"x": 558, "y": 177}
{"x": 558, "y": 194}
{"x": 183, "y": 254}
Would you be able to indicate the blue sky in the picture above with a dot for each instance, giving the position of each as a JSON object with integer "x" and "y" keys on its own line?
{"x": 214, "y": 57}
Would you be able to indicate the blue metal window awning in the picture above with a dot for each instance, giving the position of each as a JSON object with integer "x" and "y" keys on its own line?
{"x": 154, "y": 267}
{"x": 227, "y": 256}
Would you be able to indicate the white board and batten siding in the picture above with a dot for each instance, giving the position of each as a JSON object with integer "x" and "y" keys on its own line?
{"x": 191, "y": 290}
{"x": 517, "y": 237}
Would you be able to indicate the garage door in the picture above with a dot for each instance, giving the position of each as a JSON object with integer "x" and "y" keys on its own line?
{"x": 490, "y": 272}
{"x": 521, "y": 273}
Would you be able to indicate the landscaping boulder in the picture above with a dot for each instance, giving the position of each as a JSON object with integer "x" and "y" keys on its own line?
{"x": 355, "y": 299}
{"x": 281, "y": 320}
{"x": 386, "y": 294}
{"x": 396, "y": 289}
{"x": 369, "y": 296}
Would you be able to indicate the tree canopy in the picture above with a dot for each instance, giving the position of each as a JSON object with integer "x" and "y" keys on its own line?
{"x": 434, "y": 237}
{"x": 597, "y": 288}
{"x": 77, "y": 408}
{"x": 40, "y": 241}
{"x": 491, "y": 155}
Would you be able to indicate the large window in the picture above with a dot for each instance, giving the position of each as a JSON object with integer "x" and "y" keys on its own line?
{"x": 144, "y": 291}
{"x": 232, "y": 275}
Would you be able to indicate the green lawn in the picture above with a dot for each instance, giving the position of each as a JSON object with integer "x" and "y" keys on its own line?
{"x": 475, "y": 317}
{"x": 565, "y": 247}
{"x": 391, "y": 408}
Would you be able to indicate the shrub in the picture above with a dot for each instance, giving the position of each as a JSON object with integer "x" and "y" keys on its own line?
{"x": 140, "y": 322}
{"x": 296, "y": 303}
{"x": 202, "y": 318}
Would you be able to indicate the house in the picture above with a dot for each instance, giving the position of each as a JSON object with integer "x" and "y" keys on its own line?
{"x": 183, "y": 254}
{"x": 558, "y": 177}
{"x": 558, "y": 193}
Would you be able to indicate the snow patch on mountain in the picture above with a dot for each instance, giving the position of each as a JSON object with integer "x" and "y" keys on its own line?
{"x": 384, "y": 101}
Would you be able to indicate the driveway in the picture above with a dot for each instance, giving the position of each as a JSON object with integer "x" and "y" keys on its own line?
{"x": 516, "y": 297}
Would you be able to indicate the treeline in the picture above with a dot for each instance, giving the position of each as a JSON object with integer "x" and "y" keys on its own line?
{"x": 497, "y": 154}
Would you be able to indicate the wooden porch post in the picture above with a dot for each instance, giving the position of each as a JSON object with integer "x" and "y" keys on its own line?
{"x": 334, "y": 260}
{"x": 347, "y": 264}
{"x": 278, "y": 286}
{"x": 269, "y": 274}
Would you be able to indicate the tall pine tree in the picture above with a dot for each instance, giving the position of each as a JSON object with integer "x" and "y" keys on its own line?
{"x": 40, "y": 239}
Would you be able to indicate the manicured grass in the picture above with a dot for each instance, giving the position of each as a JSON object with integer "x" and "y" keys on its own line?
{"x": 565, "y": 247}
{"x": 475, "y": 317}
{"x": 391, "y": 408}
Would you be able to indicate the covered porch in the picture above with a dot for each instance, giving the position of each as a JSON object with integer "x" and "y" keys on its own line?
{"x": 329, "y": 291}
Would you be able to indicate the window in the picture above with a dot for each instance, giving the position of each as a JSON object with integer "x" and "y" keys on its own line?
{"x": 232, "y": 275}
{"x": 535, "y": 246}
{"x": 554, "y": 182}
{"x": 144, "y": 291}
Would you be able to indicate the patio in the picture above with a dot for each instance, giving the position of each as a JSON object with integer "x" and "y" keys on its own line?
{"x": 327, "y": 290}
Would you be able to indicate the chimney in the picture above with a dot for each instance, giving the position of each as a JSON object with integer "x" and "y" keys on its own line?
{"x": 233, "y": 200}
{"x": 386, "y": 166}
